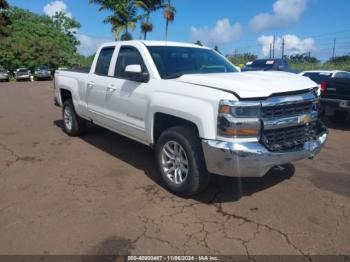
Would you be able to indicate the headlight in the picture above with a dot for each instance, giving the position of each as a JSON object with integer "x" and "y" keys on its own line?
{"x": 239, "y": 119}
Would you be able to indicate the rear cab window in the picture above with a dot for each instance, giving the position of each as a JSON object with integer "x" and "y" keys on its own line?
{"x": 342, "y": 75}
{"x": 104, "y": 60}
{"x": 318, "y": 77}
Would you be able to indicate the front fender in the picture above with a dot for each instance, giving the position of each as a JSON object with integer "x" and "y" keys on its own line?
{"x": 200, "y": 112}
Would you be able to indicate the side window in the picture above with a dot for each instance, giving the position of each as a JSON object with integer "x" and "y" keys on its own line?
{"x": 128, "y": 55}
{"x": 337, "y": 75}
{"x": 103, "y": 61}
{"x": 342, "y": 75}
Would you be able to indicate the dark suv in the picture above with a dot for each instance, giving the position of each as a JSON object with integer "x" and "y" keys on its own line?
{"x": 267, "y": 65}
{"x": 42, "y": 73}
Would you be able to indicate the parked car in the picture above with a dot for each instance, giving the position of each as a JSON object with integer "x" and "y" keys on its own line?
{"x": 4, "y": 75}
{"x": 268, "y": 65}
{"x": 22, "y": 74}
{"x": 42, "y": 73}
{"x": 191, "y": 105}
{"x": 335, "y": 92}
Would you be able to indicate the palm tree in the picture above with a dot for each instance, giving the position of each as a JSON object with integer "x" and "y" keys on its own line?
{"x": 169, "y": 15}
{"x": 123, "y": 17}
{"x": 148, "y": 6}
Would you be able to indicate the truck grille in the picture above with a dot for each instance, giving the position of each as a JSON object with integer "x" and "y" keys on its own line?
{"x": 287, "y": 110}
{"x": 285, "y": 138}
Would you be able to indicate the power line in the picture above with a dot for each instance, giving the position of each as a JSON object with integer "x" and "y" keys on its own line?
{"x": 328, "y": 33}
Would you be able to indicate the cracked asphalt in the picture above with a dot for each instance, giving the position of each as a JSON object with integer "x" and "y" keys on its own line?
{"x": 99, "y": 194}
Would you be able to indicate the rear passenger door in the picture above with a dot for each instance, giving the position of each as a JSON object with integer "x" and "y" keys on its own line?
{"x": 97, "y": 87}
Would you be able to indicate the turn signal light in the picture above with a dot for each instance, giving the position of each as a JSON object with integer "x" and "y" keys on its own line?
{"x": 241, "y": 132}
{"x": 224, "y": 109}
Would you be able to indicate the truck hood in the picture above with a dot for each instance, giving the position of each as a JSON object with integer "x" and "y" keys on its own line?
{"x": 251, "y": 84}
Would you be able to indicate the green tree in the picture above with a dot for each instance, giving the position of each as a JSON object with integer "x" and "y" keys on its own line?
{"x": 242, "y": 59}
{"x": 169, "y": 16}
{"x": 123, "y": 16}
{"x": 302, "y": 59}
{"x": 37, "y": 39}
{"x": 148, "y": 7}
{"x": 340, "y": 59}
{"x": 4, "y": 19}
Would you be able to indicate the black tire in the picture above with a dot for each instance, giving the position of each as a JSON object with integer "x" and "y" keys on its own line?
{"x": 197, "y": 177}
{"x": 78, "y": 124}
{"x": 338, "y": 117}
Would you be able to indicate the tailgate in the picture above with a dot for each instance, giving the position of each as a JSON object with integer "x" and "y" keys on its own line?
{"x": 338, "y": 89}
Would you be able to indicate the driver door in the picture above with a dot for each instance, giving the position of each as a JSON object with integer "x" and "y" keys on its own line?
{"x": 128, "y": 100}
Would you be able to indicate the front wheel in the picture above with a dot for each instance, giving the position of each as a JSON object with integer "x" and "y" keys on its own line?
{"x": 180, "y": 161}
{"x": 73, "y": 125}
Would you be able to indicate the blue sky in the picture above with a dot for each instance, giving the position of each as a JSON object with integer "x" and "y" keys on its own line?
{"x": 234, "y": 25}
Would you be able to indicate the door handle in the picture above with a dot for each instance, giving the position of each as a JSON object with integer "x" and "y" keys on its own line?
{"x": 111, "y": 88}
{"x": 90, "y": 84}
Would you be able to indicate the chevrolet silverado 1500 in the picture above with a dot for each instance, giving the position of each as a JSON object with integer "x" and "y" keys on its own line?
{"x": 191, "y": 105}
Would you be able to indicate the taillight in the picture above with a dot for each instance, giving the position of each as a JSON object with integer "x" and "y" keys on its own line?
{"x": 323, "y": 87}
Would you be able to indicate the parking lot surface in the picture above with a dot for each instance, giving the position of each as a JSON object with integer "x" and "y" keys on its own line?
{"x": 98, "y": 194}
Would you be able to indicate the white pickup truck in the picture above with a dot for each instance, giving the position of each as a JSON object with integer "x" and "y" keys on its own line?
{"x": 195, "y": 109}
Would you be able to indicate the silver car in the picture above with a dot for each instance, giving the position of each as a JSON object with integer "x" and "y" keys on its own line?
{"x": 4, "y": 75}
{"x": 22, "y": 74}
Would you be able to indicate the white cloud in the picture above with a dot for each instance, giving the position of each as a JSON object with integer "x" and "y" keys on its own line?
{"x": 88, "y": 45}
{"x": 55, "y": 7}
{"x": 222, "y": 33}
{"x": 293, "y": 45}
{"x": 285, "y": 12}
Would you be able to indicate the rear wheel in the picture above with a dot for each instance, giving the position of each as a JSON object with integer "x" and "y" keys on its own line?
{"x": 339, "y": 116}
{"x": 180, "y": 161}
{"x": 73, "y": 125}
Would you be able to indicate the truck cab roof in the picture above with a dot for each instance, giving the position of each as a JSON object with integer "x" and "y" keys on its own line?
{"x": 156, "y": 43}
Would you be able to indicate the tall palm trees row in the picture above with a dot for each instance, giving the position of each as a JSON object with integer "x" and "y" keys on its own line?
{"x": 125, "y": 15}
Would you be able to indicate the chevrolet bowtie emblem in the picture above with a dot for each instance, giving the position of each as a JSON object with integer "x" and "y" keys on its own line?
{"x": 304, "y": 119}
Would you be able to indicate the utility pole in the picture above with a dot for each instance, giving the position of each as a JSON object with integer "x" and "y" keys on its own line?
{"x": 334, "y": 41}
{"x": 273, "y": 47}
{"x": 283, "y": 48}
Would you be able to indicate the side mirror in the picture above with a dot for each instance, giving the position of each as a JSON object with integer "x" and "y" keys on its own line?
{"x": 134, "y": 73}
{"x": 133, "y": 69}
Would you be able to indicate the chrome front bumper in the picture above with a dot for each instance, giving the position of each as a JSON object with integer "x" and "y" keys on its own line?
{"x": 252, "y": 159}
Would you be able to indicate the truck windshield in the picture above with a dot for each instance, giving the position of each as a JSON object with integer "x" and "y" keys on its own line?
{"x": 173, "y": 61}
{"x": 39, "y": 68}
